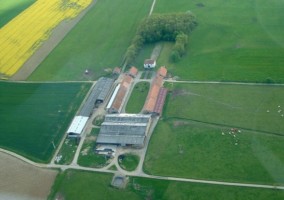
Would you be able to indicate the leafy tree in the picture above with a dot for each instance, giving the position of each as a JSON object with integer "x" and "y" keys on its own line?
{"x": 163, "y": 27}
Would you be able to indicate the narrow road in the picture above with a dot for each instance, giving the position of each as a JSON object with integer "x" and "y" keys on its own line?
{"x": 152, "y": 7}
{"x": 65, "y": 167}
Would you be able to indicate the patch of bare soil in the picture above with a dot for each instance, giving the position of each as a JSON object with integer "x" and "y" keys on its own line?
{"x": 47, "y": 46}
{"x": 180, "y": 123}
{"x": 22, "y": 181}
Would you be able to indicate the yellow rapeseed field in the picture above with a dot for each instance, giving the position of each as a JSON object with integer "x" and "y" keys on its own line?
{"x": 24, "y": 34}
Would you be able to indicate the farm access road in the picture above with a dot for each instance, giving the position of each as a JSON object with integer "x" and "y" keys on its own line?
{"x": 143, "y": 175}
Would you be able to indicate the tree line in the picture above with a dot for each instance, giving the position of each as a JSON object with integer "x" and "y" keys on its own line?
{"x": 163, "y": 27}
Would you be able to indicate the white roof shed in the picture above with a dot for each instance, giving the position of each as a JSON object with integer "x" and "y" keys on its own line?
{"x": 77, "y": 125}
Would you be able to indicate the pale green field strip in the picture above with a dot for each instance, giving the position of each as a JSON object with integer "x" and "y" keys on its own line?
{"x": 11, "y": 8}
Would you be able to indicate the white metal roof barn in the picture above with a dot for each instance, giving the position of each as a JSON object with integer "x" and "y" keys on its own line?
{"x": 77, "y": 126}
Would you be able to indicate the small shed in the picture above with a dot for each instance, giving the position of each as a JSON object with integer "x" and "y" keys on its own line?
{"x": 162, "y": 72}
{"x": 116, "y": 71}
{"x": 133, "y": 72}
{"x": 149, "y": 63}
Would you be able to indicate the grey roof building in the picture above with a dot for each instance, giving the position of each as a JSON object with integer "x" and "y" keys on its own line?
{"x": 124, "y": 129}
{"x": 97, "y": 95}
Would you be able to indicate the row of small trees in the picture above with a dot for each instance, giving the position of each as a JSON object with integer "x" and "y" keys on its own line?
{"x": 163, "y": 27}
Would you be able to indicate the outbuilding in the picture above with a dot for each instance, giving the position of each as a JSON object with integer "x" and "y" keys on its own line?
{"x": 149, "y": 63}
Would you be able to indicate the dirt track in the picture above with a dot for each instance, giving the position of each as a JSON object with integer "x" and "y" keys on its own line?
{"x": 22, "y": 181}
{"x": 55, "y": 38}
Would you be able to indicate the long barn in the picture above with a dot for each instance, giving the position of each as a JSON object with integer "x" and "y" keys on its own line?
{"x": 124, "y": 129}
{"x": 97, "y": 95}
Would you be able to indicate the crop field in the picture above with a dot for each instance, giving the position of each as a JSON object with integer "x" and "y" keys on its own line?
{"x": 233, "y": 42}
{"x": 11, "y": 8}
{"x": 234, "y": 129}
{"x": 24, "y": 34}
{"x": 98, "y": 42}
{"x": 138, "y": 97}
{"x": 97, "y": 186}
{"x": 35, "y": 115}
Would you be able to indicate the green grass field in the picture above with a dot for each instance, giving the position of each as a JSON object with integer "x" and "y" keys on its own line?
{"x": 138, "y": 97}
{"x": 188, "y": 141}
{"x": 233, "y": 42}
{"x": 128, "y": 161}
{"x": 35, "y": 115}
{"x": 67, "y": 151}
{"x": 97, "y": 186}
{"x": 11, "y": 8}
{"x": 182, "y": 148}
{"x": 98, "y": 42}
{"x": 88, "y": 157}
{"x": 241, "y": 106}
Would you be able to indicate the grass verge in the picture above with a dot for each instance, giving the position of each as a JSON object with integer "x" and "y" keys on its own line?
{"x": 138, "y": 97}
{"x": 128, "y": 162}
{"x": 97, "y": 186}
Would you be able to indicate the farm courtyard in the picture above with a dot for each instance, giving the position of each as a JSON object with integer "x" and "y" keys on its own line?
{"x": 219, "y": 135}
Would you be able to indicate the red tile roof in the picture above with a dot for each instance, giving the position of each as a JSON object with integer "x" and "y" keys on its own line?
{"x": 151, "y": 98}
{"x": 117, "y": 103}
{"x": 133, "y": 71}
{"x": 162, "y": 71}
{"x": 160, "y": 100}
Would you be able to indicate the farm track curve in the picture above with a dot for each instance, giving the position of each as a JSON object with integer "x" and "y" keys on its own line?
{"x": 142, "y": 174}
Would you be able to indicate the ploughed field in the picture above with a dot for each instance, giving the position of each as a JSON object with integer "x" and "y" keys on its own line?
{"x": 35, "y": 115}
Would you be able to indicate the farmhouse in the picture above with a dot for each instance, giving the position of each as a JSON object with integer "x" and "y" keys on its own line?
{"x": 149, "y": 64}
{"x": 157, "y": 94}
{"x": 118, "y": 97}
{"x": 124, "y": 129}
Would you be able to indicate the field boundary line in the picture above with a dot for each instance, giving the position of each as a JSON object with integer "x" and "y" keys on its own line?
{"x": 22, "y": 158}
{"x": 216, "y": 125}
{"x": 226, "y": 83}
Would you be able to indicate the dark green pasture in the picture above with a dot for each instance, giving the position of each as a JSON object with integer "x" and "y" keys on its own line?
{"x": 35, "y": 115}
